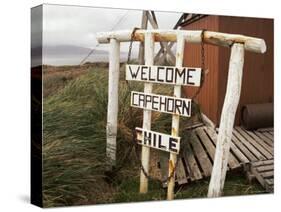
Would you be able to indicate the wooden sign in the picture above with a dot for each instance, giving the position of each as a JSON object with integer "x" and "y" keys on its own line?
{"x": 166, "y": 104}
{"x": 157, "y": 140}
{"x": 164, "y": 74}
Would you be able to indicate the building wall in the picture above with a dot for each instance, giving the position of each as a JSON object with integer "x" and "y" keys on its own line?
{"x": 208, "y": 97}
{"x": 257, "y": 85}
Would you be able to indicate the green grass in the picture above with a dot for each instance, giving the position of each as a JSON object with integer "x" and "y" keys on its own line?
{"x": 235, "y": 184}
{"x": 74, "y": 120}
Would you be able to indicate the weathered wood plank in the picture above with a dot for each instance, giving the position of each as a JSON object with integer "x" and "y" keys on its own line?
{"x": 193, "y": 36}
{"x": 259, "y": 147}
{"x": 191, "y": 164}
{"x": 269, "y": 129}
{"x": 232, "y": 96}
{"x": 145, "y": 151}
{"x": 261, "y": 142}
{"x": 181, "y": 177}
{"x": 269, "y": 136}
{"x": 201, "y": 155}
{"x": 206, "y": 142}
{"x": 265, "y": 168}
{"x": 264, "y": 138}
{"x": 239, "y": 153}
{"x": 175, "y": 117}
{"x": 244, "y": 155}
{"x": 267, "y": 174}
{"x": 232, "y": 161}
{"x": 261, "y": 163}
{"x": 112, "y": 106}
{"x": 251, "y": 148}
{"x": 269, "y": 181}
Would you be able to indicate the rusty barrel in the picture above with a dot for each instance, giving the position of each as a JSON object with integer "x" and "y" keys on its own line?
{"x": 256, "y": 116}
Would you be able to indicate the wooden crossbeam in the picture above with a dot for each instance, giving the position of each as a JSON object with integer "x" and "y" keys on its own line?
{"x": 152, "y": 20}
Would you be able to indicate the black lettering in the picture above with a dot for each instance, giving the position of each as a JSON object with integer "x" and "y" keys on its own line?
{"x": 190, "y": 76}
{"x": 186, "y": 108}
{"x": 172, "y": 144}
{"x": 149, "y": 75}
{"x": 180, "y": 74}
{"x": 170, "y": 107}
{"x": 141, "y": 99}
{"x": 134, "y": 74}
{"x": 158, "y": 74}
{"x": 154, "y": 140}
{"x": 171, "y": 75}
{"x": 147, "y": 137}
{"x": 133, "y": 100}
{"x": 154, "y": 102}
{"x": 143, "y": 72}
{"x": 160, "y": 143}
{"x": 178, "y": 105}
{"x": 162, "y": 103}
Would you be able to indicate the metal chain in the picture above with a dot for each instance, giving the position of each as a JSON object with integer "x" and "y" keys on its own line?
{"x": 131, "y": 43}
{"x": 202, "y": 65}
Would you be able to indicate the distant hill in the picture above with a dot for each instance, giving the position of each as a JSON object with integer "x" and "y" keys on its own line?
{"x": 69, "y": 49}
{"x": 71, "y": 55}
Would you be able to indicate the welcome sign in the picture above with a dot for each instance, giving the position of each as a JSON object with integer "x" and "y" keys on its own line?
{"x": 164, "y": 74}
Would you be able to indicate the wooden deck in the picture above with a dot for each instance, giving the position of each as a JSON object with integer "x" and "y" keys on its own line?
{"x": 197, "y": 159}
{"x": 263, "y": 172}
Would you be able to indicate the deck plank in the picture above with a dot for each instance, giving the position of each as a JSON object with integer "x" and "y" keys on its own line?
{"x": 232, "y": 161}
{"x": 264, "y": 138}
{"x": 191, "y": 164}
{"x": 249, "y": 145}
{"x": 201, "y": 155}
{"x": 269, "y": 136}
{"x": 267, "y": 174}
{"x": 256, "y": 144}
{"x": 265, "y": 168}
{"x": 261, "y": 142}
{"x": 180, "y": 172}
{"x": 240, "y": 154}
{"x": 262, "y": 163}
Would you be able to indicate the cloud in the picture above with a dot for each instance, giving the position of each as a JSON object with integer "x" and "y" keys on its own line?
{"x": 74, "y": 25}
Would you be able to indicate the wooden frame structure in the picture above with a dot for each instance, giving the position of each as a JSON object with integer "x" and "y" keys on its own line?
{"x": 237, "y": 43}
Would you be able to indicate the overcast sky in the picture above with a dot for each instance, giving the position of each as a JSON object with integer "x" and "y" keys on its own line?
{"x": 74, "y": 25}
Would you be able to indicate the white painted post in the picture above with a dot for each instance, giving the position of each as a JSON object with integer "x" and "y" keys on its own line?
{"x": 112, "y": 108}
{"x": 145, "y": 153}
{"x": 227, "y": 120}
{"x": 175, "y": 118}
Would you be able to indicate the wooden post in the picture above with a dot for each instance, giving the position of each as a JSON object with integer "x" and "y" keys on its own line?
{"x": 227, "y": 120}
{"x": 149, "y": 56}
{"x": 112, "y": 108}
{"x": 141, "y": 47}
{"x": 175, "y": 118}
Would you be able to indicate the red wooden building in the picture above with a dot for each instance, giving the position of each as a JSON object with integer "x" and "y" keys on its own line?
{"x": 258, "y": 73}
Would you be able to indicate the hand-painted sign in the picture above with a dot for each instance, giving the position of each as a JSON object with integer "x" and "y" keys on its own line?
{"x": 166, "y": 104}
{"x": 164, "y": 74}
{"x": 158, "y": 140}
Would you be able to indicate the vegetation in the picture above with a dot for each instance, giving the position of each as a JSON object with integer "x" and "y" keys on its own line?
{"x": 74, "y": 145}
